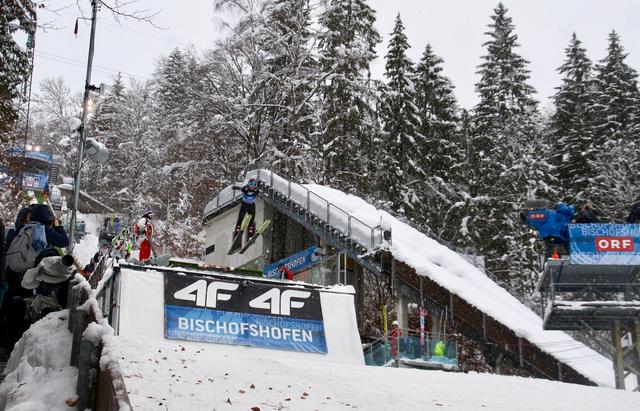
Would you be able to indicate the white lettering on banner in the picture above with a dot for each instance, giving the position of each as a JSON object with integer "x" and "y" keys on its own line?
{"x": 199, "y": 287}
{"x": 212, "y": 292}
{"x": 267, "y": 301}
{"x": 254, "y": 330}
{"x": 206, "y": 296}
{"x": 611, "y": 230}
{"x": 285, "y": 300}
{"x": 279, "y": 303}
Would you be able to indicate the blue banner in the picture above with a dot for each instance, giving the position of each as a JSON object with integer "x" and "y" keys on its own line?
{"x": 36, "y": 155}
{"x": 36, "y": 181}
{"x": 238, "y": 311}
{"x": 235, "y": 328}
{"x": 296, "y": 262}
{"x": 604, "y": 244}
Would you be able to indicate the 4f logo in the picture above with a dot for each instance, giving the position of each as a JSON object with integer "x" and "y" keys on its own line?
{"x": 206, "y": 296}
{"x": 280, "y": 303}
{"x": 276, "y": 301}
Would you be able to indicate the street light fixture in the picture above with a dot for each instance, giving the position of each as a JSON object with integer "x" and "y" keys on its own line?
{"x": 96, "y": 151}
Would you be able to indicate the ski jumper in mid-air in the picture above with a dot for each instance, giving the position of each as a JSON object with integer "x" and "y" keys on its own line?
{"x": 249, "y": 194}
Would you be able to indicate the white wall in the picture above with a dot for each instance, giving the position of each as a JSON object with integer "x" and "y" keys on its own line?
{"x": 142, "y": 314}
{"x": 219, "y": 231}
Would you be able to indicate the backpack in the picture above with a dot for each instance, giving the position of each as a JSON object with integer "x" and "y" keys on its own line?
{"x": 25, "y": 247}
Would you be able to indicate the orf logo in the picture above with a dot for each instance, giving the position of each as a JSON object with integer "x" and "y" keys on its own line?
{"x": 614, "y": 244}
{"x": 537, "y": 216}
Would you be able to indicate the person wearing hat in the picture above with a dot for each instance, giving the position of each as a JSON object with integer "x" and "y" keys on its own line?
{"x": 394, "y": 336}
{"x": 142, "y": 232}
{"x": 48, "y": 279}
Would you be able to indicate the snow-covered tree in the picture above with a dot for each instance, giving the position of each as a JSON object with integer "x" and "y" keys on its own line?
{"x": 292, "y": 67}
{"x": 571, "y": 134}
{"x": 347, "y": 46}
{"x": 16, "y": 17}
{"x": 615, "y": 115}
{"x": 400, "y": 160}
{"x": 507, "y": 155}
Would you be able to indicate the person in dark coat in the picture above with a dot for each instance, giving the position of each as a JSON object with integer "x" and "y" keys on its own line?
{"x": 56, "y": 234}
{"x": 586, "y": 215}
{"x": 634, "y": 214}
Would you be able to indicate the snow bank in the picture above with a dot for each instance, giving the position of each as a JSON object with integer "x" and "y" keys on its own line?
{"x": 162, "y": 375}
{"x": 38, "y": 374}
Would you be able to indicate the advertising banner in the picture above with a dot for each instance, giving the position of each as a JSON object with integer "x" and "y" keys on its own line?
{"x": 36, "y": 155}
{"x": 240, "y": 312}
{"x": 35, "y": 181}
{"x": 296, "y": 262}
{"x": 604, "y": 244}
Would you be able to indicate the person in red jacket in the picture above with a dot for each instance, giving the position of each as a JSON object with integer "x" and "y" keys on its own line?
{"x": 286, "y": 272}
{"x": 143, "y": 231}
{"x": 394, "y": 336}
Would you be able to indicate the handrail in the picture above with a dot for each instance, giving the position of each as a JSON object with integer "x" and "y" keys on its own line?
{"x": 332, "y": 210}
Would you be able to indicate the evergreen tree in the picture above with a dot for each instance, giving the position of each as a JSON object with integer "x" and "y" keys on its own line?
{"x": 347, "y": 46}
{"x": 615, "y": 126}
{"x": 16, "y": 17}
{"x": 616, "y": 99}
{"x": 401, "y": 125}
{"x": 570, "y": 125}
{"x": 293, "y": 73}
{"x": 442, "y": 149}
{"x": 506, "y": 156}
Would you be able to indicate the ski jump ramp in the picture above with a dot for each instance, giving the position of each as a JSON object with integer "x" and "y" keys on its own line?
{"x": 238, "y": 315}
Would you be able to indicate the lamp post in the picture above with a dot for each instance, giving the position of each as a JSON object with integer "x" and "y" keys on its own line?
{"x": 95, "y": 4}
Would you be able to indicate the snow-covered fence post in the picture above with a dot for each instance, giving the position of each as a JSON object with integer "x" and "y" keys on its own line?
{"x": 80, "y": 321}
{"x": 271, "y": 179}
{"x": 308, "y": 200}
{"x": 349, "y": 225}
{"x": 328, "y": 213}
{"x": 87, "y": 372}
{"x": 289, "y": 190}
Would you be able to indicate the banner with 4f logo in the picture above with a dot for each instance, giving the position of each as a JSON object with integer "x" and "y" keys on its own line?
{"x": 241, "y": 312}
{"x": 605, "y": 244}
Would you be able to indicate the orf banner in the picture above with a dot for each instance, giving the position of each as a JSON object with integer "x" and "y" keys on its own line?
{"x": 240, "y": 312}
{"x": 296, "y": 262}
{"x": 604, "y": 244}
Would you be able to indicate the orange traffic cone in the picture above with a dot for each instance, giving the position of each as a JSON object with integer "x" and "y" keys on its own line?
{"x": 555, "y": 255}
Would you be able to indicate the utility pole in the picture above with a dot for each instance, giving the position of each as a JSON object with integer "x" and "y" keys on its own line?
{"x": 95, "y": 5}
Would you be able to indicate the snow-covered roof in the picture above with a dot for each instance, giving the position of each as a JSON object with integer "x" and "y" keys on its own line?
{"x": 450, "y": 270}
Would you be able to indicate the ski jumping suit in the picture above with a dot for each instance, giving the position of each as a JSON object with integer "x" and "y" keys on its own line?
{"x": 248, "y": 206}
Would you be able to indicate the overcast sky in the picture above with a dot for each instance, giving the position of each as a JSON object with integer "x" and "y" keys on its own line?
{"x": 453, "y": 27}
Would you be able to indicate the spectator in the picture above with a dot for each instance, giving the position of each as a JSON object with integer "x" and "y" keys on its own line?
{"x": 394, "y": 336}
{"x": 143, "y": 233}
{"x": 49, "y": 279}
{"x": 440, "y": 349}
{"x": 285, "y": 272}
{"x": 56, "y": 235}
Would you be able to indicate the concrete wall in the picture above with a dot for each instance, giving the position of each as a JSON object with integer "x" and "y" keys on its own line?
{"x": 219, "y": 232}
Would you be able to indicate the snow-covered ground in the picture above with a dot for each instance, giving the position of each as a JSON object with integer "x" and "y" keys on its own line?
{"x": 38, "y": 374}
{"x": 169, "y": 375}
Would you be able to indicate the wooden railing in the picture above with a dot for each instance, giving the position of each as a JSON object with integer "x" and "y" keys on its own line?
{"x": 98, "y": 389}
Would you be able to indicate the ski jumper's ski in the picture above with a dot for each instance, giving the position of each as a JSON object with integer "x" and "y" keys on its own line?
{"x": 237, "y": 239}
{"x": 258, "y": 233}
